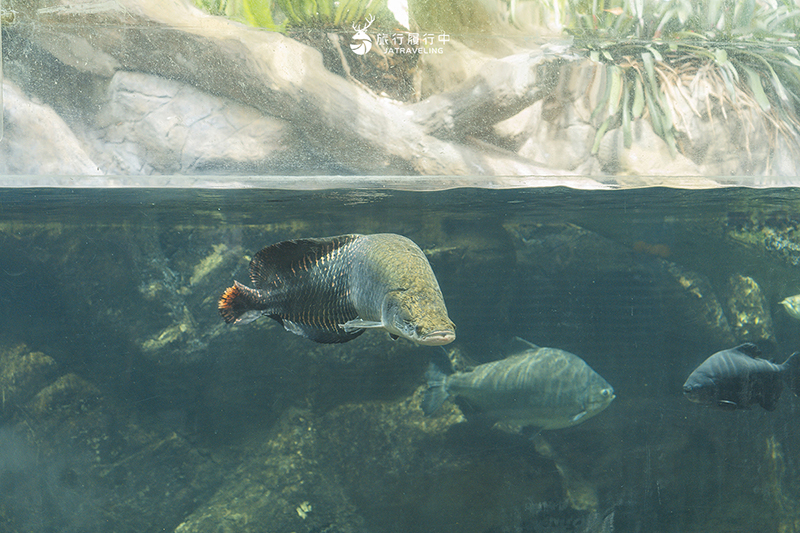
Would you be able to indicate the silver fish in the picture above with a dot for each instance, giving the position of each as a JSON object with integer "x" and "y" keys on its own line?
{"x": 544, "y": 387}
{"x": 738, "y": 378}
{"x": 792, "y": 305}
{"x": 332, "y": 289}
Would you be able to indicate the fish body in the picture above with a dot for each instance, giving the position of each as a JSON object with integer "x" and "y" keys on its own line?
{"x": 544, "y": 387}
{"x": 738, "y": 378}
{"x": 792, "y": 306}
{"x": 332, "y": 289}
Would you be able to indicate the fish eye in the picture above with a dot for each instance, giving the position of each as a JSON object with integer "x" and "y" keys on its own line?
{"x": 605, "y": 393}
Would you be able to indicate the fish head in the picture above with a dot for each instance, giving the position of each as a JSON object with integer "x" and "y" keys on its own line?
{"x": 596, "y": 396}
{"x": 700, "y": 388}
{"x": 600, "y": 398}
{"x": 419, "y": 316}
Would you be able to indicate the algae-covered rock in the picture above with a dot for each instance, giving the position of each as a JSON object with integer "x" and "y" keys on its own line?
{"x": 749, "y": 311}
{"x": 574, "y": 277}
{"x": 767, "y": 229}
{"x": 405, "y": 471}
{"x": 66, "y": 396}
{"x": 22, "y": 374}
{"x": 280, "y": 485}
{"x": 70, "y": 452}
{"x": 696, "y": 296}
{"x": 377, "y": 466}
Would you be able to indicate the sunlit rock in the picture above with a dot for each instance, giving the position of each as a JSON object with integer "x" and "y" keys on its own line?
{"x": 37, "y": 141}
{"x": 152, "y": 124}
{"x": 748, "y": 310}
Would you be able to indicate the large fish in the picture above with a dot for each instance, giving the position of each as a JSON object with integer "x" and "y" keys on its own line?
{"x": 738, "y": 378}
{"x": 544, "y": 387}
{"x": 332, "y": 289}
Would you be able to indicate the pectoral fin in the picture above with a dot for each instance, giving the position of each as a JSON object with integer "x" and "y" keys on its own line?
{"x": 727, "y": 405}
{"x": 579, "y": 416}
{"x": 529, "y": 344}
{"x": 248, "y": 316}
{"x": 321, "y": 335}
{"x": 357, "y": 323}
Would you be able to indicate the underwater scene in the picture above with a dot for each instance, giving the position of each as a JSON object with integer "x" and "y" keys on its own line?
{"x": 471, "y": 360}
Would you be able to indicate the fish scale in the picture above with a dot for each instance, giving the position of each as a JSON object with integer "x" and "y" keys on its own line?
{"x": 333, "y": 306}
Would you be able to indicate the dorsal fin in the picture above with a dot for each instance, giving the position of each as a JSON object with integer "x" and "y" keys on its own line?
{"x": 526, "y": 343}
{"x": 285, "y": 258}
{"x": 749, "y": 349}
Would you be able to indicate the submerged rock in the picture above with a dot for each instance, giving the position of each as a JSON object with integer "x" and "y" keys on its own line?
{"x": 279, "y": 486}
{"x": 23, "y": 373}
{"x": 574, "y": 276}
{"x": 698, "y": 300}
{"x": 69, "y": 452}
{"x": 749, "y": 310}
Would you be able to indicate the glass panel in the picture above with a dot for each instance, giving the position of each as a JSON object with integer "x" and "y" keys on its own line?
{"x": 129, "y": 404}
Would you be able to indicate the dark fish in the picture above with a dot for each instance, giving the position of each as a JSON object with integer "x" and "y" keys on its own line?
{"x": 544, "y": 387}
{"x": 332, "y": 289}
{"x": 738, "y": 378}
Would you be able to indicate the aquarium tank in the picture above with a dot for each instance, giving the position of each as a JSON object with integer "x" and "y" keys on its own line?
{"x": 400, "y": 266}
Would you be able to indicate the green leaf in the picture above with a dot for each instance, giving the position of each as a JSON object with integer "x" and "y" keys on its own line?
{"x": 288, "y": 10}
{"x": 744, "y": 13}
{"x": 638, "y": 99}
{"x": 626, "y": 118}
{"x": 725, "y": 72}
{"x": 655, "y": 114}
{"x": 666, "y": 111}
{"x": 754, "y": 82}
{"x": 669, "y": 137}
{"x": 615, "y": 89}
{"x": 325, "y": 9}
{"x": 599, "y": 135}
{"x": 649, "y": 69}
{"x": 655, "y": 53}
{"x": 601, "y": 103}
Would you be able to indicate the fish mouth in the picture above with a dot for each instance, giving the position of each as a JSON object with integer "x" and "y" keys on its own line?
{"x": 437, "y": 338}
{"x": 692, "y": 394}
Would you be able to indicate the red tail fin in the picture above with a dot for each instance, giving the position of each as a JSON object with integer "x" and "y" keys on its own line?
{"x": 239, "y": 304}
{"x": 227, "y": 304}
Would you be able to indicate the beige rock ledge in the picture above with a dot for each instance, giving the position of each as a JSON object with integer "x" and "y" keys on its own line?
{"x": 270, "y": 72}
{"x": 384, "y": 143}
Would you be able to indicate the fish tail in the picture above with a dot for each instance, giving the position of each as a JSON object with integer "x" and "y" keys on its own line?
{"x": 792, "y": 367}
{"x": 240, "y": 304}
{"x": 437, "y": 390}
